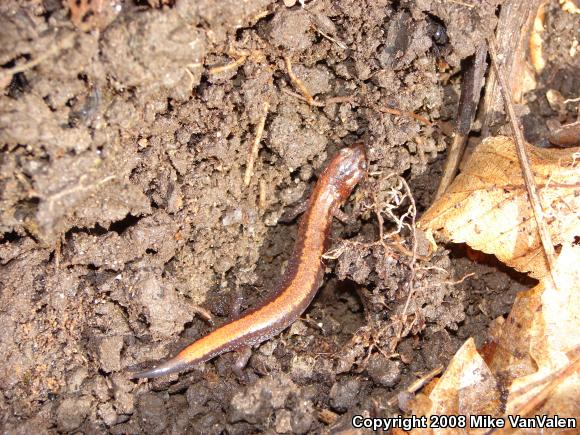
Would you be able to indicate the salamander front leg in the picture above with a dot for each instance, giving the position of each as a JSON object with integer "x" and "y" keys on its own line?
{"x": 343, "y": 217}
{"x": 291, "y": 214}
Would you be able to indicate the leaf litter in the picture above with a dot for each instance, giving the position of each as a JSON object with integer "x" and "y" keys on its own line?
{"x": 530, "y": 363}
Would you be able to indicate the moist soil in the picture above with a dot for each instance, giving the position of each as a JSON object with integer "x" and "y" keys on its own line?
{"x": 126, "y": 222}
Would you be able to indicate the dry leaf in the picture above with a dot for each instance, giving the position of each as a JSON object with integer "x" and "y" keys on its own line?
{"x": 534, "y": 366}
{"x": 487, "y": 205}
{"x": 460, "y": 391}
{"x": 552, "y": 338}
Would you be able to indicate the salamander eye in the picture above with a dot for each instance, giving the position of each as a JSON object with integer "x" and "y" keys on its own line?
{"x": 363, "y": 165}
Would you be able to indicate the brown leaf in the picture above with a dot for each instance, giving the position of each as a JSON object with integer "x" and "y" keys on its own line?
{"x": 467, "y": 388}
{"x": 550, "y": 335}
{"x": 534, "y": 369}
{"x": 487, "y": 205}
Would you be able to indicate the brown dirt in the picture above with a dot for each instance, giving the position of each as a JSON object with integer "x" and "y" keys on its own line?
{"x": 123, "y": 207}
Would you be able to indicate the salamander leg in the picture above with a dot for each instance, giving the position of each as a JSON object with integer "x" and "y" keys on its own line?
{"x": 292, "y": 213}
{"x": 236, "y": 305}
{"x": 343, "y": 217}
{"x": 244, "y": 353}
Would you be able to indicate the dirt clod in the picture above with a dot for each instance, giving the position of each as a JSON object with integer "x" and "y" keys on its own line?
{"x": 292, "y": 30}
{"x": 343, "y": 393}
{"x": 72, "y": 412}
{"x": 151, "y": 413}
{"x": 384, "y": 371}
{"x": 253, "y": 403}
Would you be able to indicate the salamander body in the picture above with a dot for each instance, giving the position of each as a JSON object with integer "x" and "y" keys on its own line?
{"x": 299, "y": 283}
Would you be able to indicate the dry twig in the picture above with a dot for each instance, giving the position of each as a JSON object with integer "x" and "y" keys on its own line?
{"x": 316, "y": 103}
{"x": 203, "y": 313}
{"x": 406, "y": 113}
{"x": 468, "y": 102}
{"x": 417, "y": 385}
{"x": 330, "y": 38}
{"x": 256, "y": 145}
{"x": 297, "y": 82}
{"x": 524, "y": 162}
{"x": 222, "y": 68}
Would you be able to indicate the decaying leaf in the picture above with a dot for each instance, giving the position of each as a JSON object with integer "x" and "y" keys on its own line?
{"x": 548, "y": 320}
{"x": 465, "y": 380}
{"x": 531, "y": 365}
{"x": 487, "y": 205}
{"x": 531, "y": 362}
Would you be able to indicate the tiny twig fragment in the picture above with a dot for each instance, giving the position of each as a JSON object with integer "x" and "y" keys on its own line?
{"x": 418, "y": 384}
{"x": 316, "y": 103}
{"x": 297, "y": 82}
{"x": 330, "y": 38}
{"x": 256, "y": 145}
{"x": 262, "y": 196}
{"x": 398, "y": 112}
{"x": 203, "y": 313}
{"x": 222, "y": 68}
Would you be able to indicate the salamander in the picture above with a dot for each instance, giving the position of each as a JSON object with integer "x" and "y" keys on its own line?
{"x": 299, "y": 283}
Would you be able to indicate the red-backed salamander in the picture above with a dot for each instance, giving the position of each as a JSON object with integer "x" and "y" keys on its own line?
{"x": 300, "y": 282}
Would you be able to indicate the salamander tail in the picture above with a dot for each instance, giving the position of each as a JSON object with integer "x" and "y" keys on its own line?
{"x": 172, "y": 365}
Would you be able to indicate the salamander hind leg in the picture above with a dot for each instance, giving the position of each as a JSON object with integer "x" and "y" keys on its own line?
{"x": 243, "y": 356}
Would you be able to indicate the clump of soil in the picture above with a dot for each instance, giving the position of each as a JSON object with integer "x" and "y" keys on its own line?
{"x": 123, "y": 207}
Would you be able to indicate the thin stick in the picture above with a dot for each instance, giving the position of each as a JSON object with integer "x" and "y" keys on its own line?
{"x": 468, "y": 102}
{"x": 203, "y": 313}
{"x": 316, "y": 103}
{"x": 339, "y": 99}
{"x": 262, "y": 196}
{"x": 405, "y": 113}
{"x": 222, "y": 68}
{"x": 63, "y": 44}
{"x": 417, "y": 385}
{"x": 524, "y": 162}
{"x": 256, "y": 145}
{"x": 572, "y": 100}
{"x": 297, "y": 82}
{"x": 330, "y": 38}
{"x": 302, "y": 98}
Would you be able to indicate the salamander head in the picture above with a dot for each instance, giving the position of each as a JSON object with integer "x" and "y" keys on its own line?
{"x": 347, "y": 168}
